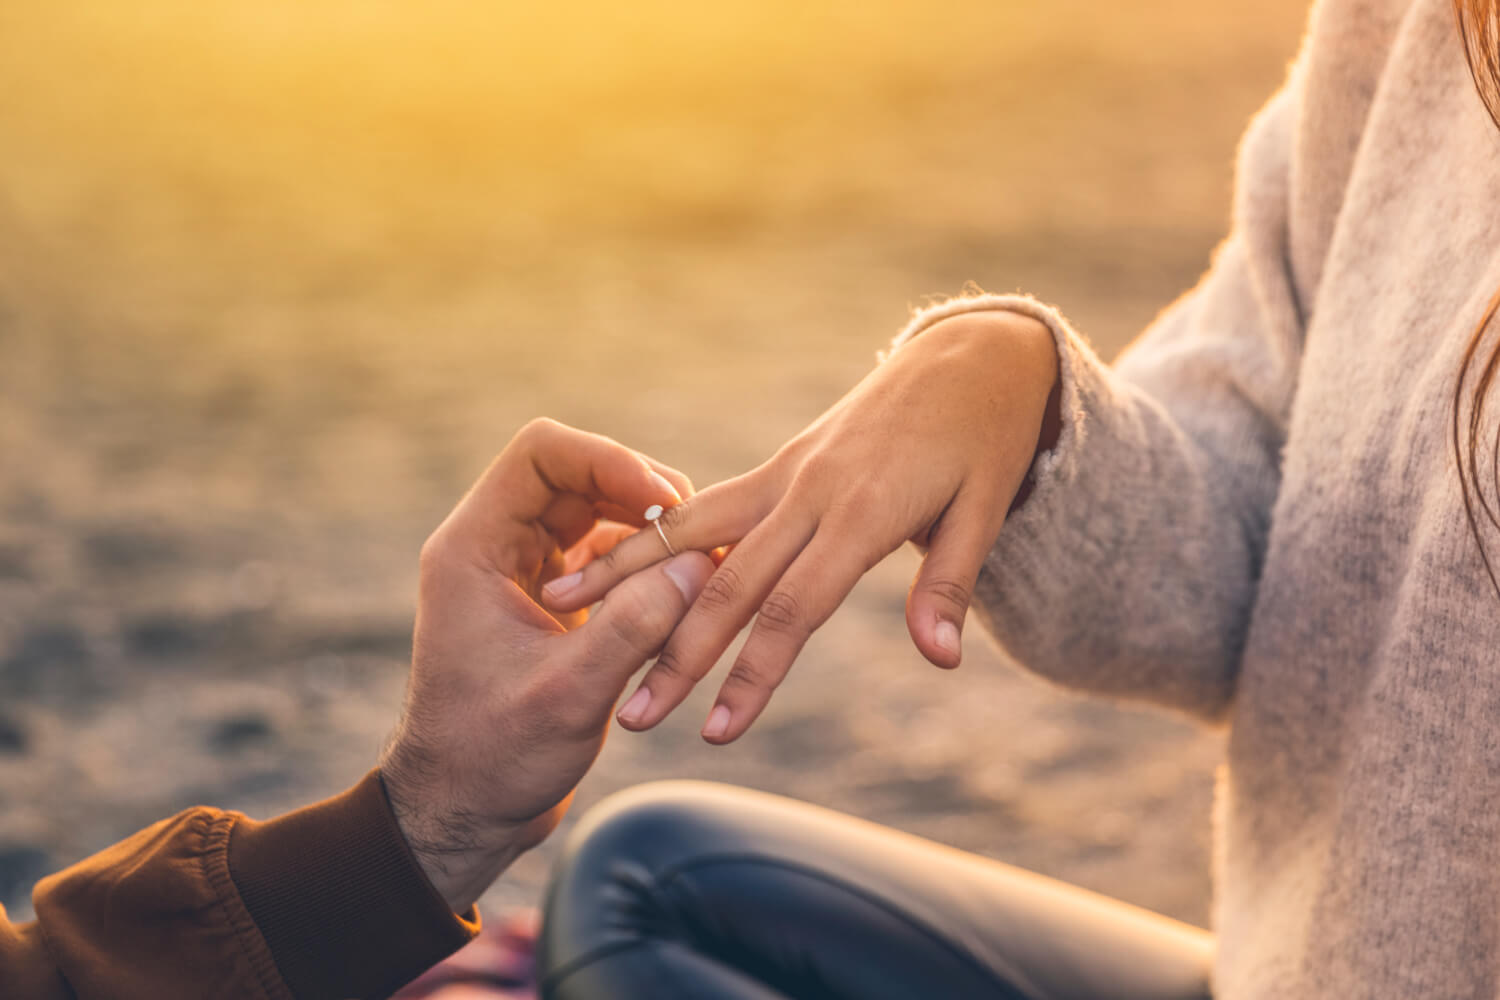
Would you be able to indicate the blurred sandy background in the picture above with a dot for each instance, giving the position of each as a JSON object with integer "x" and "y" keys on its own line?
{"x": 276, "y": 280}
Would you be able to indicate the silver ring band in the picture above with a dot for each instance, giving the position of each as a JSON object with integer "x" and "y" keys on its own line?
{"x": 662, "y": 532}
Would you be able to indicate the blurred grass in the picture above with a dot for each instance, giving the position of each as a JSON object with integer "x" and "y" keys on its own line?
{"x": 276, "y": 280}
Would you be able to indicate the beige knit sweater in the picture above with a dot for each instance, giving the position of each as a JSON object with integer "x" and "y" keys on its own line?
{"x": 1254, "y": 517}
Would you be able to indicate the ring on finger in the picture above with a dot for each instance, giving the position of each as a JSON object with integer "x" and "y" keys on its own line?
{"x": 653, "y": 514}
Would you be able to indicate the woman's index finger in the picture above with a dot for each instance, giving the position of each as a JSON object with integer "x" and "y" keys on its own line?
{"x": 720, "y": 515}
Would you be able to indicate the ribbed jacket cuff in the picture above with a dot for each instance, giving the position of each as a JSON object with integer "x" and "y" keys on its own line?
{"x": 342, "y": 904}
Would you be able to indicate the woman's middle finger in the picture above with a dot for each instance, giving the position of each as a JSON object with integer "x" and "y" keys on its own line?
{"x": 729, "y": 599}
{"x": 806, "y": 596}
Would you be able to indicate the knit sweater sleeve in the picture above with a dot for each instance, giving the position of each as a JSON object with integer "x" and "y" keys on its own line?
{"x": 1131, "y": 568}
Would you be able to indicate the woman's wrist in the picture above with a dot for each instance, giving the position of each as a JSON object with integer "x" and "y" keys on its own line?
{"x": 1013, "y": 346}
{"x": 1016, "y": 347}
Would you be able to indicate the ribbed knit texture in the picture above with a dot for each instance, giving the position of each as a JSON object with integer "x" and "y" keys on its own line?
{"x": 339, "y": 899}
{"x": 1254, "y": 517}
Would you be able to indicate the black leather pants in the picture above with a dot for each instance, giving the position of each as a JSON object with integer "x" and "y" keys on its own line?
{"x": 686, "y": 889}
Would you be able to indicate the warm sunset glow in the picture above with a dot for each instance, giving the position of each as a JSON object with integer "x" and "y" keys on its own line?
{"x": 186, "y": 144}
{"x": 277, "y": 279}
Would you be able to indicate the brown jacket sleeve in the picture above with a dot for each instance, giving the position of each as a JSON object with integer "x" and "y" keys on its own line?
{"x": 323, "y": 902}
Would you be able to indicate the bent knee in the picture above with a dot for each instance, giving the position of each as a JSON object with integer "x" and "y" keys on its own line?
{"x": 604, "y": 888}
{"x": 642, "y": 831}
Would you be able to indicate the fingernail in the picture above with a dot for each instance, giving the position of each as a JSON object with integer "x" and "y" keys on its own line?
{"x": 563, "y": 585}
{"x": 686, "y": 580}
{"x": 665, "y": 486}
{"x": 718, "y": 723}
{"x": 947, "y": 639}
{"x": 634, "y": 709}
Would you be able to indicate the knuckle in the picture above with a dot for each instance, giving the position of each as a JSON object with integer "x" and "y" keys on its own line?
{"x": 747, "y": 675}
{"x": 627, "y": 630}
{"x": 436, "y": 555}
{"x": 548, "y": 691}
{"x": 862, "y": 497}
{"x": 782, "y": 612}
{"x": 621, "y": 559}
{"x": 634, "y": 620}
{"x": 610, "y": 561}
{"x": 557, "y": 701}
{"x": 854, "y": 502}
{"x": 674, "y": 518}
{"x": 794, "y": 454}
{"x": 669, "y": 667}
{"x": 538, "y": 429}
{"x": 947, "y": 589}
{"x": 581, "y": 715}
{"x": 722, "y": 590}
{"x": 815, "y": 471}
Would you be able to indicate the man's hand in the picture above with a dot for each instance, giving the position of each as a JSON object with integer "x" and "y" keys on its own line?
{"x": 507, "y": 705}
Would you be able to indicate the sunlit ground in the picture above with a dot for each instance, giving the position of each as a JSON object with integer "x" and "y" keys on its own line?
{"x": 276, "y": 280}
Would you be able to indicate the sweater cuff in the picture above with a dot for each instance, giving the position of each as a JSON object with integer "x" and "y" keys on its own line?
{"x": 341, "y": 902}
{"x": 1050, "y": 535}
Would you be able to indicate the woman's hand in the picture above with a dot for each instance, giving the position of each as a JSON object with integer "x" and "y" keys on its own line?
{"x": 931, "y": 447}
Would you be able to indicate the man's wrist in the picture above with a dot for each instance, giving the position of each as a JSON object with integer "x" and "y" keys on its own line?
{"x": 459, "y": 852}
{"x": 458, "y": 866}
{"x": 344, "y": 864}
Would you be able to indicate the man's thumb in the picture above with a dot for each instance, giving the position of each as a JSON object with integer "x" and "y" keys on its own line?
{"x": 640, "y": 613}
